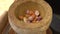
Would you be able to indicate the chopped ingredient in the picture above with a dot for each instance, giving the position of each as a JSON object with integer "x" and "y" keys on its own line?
{"x": 31, "y": 16}
{"x": 27, "y": 12}
{"x": 31, "y": 12}
{"x": 25, "y": 19}
{"x": 36, "y": 13}
{"x": 39, "y": 18}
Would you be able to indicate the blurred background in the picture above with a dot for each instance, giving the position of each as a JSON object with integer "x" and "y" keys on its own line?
{"x": 55, "y": 25}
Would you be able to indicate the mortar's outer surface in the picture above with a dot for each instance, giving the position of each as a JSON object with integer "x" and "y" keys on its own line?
{"x": 33, "y": 28}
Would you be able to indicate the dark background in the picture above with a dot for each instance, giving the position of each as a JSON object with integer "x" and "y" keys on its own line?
{"x": 55, "y": 4}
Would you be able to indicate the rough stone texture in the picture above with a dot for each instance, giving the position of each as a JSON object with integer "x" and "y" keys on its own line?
{"x": 13, "y": 32}
{"x": 30, "y": 28}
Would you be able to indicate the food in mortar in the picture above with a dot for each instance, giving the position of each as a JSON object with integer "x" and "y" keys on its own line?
{"x": 31, "y": 16}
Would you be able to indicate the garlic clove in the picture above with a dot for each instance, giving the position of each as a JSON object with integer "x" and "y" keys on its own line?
{"x": 25, "y": 19}
{"x": 36, "y": 13}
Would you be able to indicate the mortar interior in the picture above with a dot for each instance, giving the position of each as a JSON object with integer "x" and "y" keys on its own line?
{"x": 20, "y": 10}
